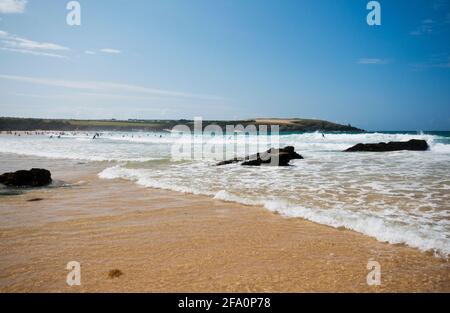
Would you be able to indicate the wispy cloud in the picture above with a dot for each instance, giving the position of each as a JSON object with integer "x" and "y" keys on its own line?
{"x": 18, "y": 44}
{"x": 111, "y": 51}
{"x": 22, "y": 43}
{"x": 104, "y": 50}
{"x": 90, "y": 95}
{"x": 12, "y": 6}
{"x": 440, "y": 60}
{"x": 37, "y": 53}
{"x": 425, "y": 27}
{"x": 105, "y": 87}
{"x": 373, "y": 61}
{"x": 428, "y": 21}
{"x": 438, "y": 4}
{"x": 139, "y": 102}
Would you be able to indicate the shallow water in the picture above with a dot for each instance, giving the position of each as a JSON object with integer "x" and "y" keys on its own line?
{"x": 398, "y": 197}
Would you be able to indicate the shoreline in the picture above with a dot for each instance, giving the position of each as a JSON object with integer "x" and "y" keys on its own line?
{"x": 164, "y": 241}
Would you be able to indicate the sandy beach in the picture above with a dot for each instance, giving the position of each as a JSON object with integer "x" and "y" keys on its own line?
{"x": 225, "y": 147}
{"x": 163, "y": 241}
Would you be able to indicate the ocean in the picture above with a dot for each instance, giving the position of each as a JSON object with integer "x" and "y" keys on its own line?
{"x": 396, "y": 197}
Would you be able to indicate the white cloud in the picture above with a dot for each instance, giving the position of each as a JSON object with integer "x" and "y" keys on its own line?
{"x": 23, "y": 43}
{"x": 37, "y": 53}
{"x": 90, "y": 95}
{"x": 12, "y": 6}
{"x": 102, "y": 87}
{"x": 90, "y": 52}
{"x": 425, "y": 27}
{"x": 111, "y": 51}
{"x": 438, "y": 61}
{"x": 18, "y": 44}
{"x": 372, "y": 61}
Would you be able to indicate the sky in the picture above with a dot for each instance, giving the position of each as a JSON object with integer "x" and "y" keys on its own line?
{"x": 229, "y": 59}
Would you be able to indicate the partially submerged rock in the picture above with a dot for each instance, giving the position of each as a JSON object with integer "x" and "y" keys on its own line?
{"x": 274, "y": 157}
{"x": 412, "y": 145}
{"x": 236, "y": 160}
{"x": 32, "y": 178}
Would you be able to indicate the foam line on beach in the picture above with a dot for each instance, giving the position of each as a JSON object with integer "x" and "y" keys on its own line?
{"x": 337, "y": 217}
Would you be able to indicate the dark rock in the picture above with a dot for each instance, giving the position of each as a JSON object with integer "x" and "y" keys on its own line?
{"x": 229, "y": 162}
{"x": 412, "y": 145}
{"x": 33, "y": 178}
{"x": 275, "y": 157}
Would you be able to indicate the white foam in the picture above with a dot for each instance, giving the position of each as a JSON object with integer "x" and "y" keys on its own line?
{"x": 440, "y": 148}
{"x": 117, "y": 146}
{"x": 395, "y": 197}
{"x": 75, "y": 149}
{"x": 366, "y": 223}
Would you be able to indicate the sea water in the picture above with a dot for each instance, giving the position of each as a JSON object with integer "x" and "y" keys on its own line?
{"x": 395, "y": 197}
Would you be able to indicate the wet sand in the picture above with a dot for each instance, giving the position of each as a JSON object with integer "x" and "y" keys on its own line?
{"x": 164, "y": 241}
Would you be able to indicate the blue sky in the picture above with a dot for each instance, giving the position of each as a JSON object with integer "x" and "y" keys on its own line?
{"x": 229, "y": 59}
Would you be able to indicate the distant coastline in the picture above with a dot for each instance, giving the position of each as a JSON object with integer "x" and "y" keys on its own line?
{"x": 286, "y": 125}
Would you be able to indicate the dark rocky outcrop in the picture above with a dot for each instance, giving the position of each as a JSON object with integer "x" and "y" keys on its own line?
{"x": 229, "y": 162}
{"x": 412, "y": 145}
{"x": 275, "y": 157}
{"x": 32, "y": 178}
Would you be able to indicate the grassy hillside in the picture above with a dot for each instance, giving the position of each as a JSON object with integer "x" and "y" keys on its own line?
{"x": 286, "y": 125}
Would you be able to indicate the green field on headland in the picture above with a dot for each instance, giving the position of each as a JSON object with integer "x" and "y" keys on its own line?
{"x": 286, "y": 125}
